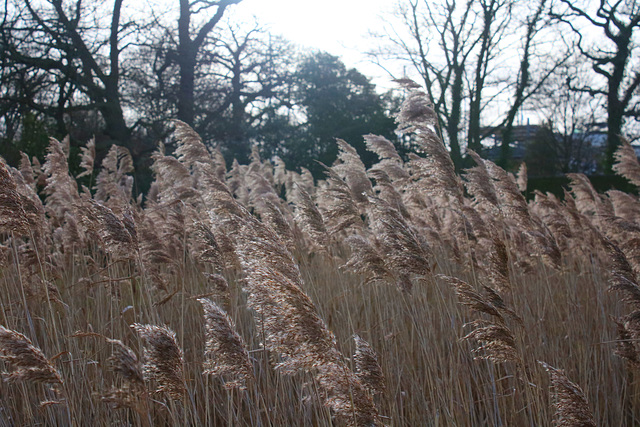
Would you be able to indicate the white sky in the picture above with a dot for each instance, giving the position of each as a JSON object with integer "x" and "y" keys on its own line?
{"x": 339, "y": 27}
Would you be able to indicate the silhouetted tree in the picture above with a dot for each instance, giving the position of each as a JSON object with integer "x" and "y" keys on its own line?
{"x": 334, "y": 102}
{"x": 619, "y": 23}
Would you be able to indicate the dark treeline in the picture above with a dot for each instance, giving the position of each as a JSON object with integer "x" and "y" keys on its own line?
{"x": 105, "y": 70}
{"x": 112, "y": 71}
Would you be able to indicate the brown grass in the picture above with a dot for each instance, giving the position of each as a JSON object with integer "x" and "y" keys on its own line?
{"x": 496, "y": 285}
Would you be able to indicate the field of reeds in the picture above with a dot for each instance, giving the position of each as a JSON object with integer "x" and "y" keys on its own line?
{"x": 250, "y": 295}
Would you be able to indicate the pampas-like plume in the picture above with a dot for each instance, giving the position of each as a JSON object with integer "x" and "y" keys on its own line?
{"x": 521, "y": 179}
{"x": 273, "y": 216}
{"x": 113, "y": 183}
{"x": 436, "y": 171}
{"x": 220, "y": 288}
{"x": 225, "y": 351}
{"x": 627, "y": 163}
{"x": 497, "y": 342}
{"x": 28, "y": 362}
{"x": 292, "y": 326}
{"x": 190, "y": 147}
{"x": 406, "y": 253}
{"x": 125, "y": 362}
{"x": 498, "y": 269}
{"x": 61, "y": 189}
{"x": 237, "y": 182}
{"x": 387, "y": 191}
{"x": 352, "y": 170}
{"x": 480, "y": 185}
{"x": 289, "y": 319}
{"x": 260, "y": 189}
{"x": 512, "y": 202}
{"x": 310, "y": 219}
{"x": 133, "y": 393}
{"x": 153, "y": 249}
{"x": 116, "y": 238}
{"x": 366, "y": 259}
{"x": 623, "y": 278}
{"x": 87, "y": 158}
{"x": 348, "y": 399}
{"x": 382, "y": 147}
{"x": 587, "y": 199}
{"x": 205, "y": 246}
{"x": 628, "y": 329}
{"x": 163, "y": 359}
{"x": 390, "y": 160}
{"x": 417, "y": 109}
{"x": 551, "y": 211}
{"x": 572, "y": 408}
{"x": 12, "y": 212}
{"x": 625, "y": 205}
{"x": 470, "y": 297}
{"x": 368, "y": 369}
{"x": 338, "y": 205}
{"x": 173, "y": 179}
{"x": 26, "y": 169}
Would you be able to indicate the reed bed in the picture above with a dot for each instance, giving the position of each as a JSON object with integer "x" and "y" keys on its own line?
{"x": 404, "y": 294}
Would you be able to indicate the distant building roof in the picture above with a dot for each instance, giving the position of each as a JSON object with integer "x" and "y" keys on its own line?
{"x": 522, "y": 133}
{"x": 516, "y": 151}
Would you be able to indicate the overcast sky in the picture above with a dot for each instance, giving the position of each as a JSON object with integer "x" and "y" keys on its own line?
{"x": 339, "y": 27}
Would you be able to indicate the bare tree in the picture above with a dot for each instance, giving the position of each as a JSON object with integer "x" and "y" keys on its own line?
{"x": 458, "y": 49}
{"x": 190, "y": 45}
{"x": 619, "y": 23}
{"x": 451, "y": 23}
{"x": 527, "y": 85}
{"x": 495, "y": 16}
{"x": 73, "y": 55}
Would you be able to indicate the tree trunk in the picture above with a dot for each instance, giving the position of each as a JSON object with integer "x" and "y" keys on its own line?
{"x": 615, "y": 112}
{"x": 453, "y": 124}
{"x": 186, "y": 109}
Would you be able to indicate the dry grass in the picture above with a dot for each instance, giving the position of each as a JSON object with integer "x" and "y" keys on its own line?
{"x": 460, "y": 294}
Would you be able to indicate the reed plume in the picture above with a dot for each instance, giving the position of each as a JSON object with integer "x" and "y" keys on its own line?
{"x": 352, "y": 170}
{"x": 625, "y": 205}
{"x": 480, "y": 185}
{"x": 497, "y": 342}
{"x": 310, "y": 219}
{"x": 12, "y": 210}
{"x": 406, "y": 253}
{"x": 587, "y": 200}
{"x": 61, "y": 189}
{"x": 204, "y": 245}
{"x": 366, "y": 259}
{"x": 28, "y": 362}
{"x": 133, "y": 392}
{"x": 348, "y": 399}
{"x": 225, "y": 351}
{"x": 338, "y": 206}
{"x": 114, "y": 185}
{"x": 368, "y": 369}
{"x": 26, "y": 170}
{"x": 521, "y": 178}
{"x": 116, "y": 238}
{"x": 163, "y": 359}
{"x": 87, "y": 158}
{"x": 272, "y": 215}
{"x": 190, "y": 147}
{"x": 572, "y": 408}
{"x": 626, "y": 163}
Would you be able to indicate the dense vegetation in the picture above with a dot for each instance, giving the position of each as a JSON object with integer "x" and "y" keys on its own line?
{"x": 238, "y": 295}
